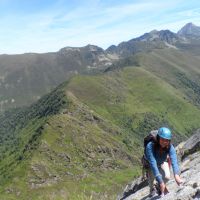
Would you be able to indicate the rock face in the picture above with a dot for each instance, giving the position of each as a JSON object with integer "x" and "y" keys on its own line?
{"x": 163, "y": 35}
{"x": 190, "y": 173}
{"x": 189, "y": 30}
{"x": 192, "y": 145}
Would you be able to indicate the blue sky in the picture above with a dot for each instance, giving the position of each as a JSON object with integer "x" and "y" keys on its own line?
{"x": 48, "y": 25}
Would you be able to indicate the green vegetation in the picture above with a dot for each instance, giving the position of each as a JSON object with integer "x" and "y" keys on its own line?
{"x": 84, "y": 139}
{"x": 180, "y": 70}
{"x": 126, "y": 97}
{"x": 21, "y": 129}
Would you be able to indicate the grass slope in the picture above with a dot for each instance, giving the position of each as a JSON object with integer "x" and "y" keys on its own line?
{"x": 179, "y": 69}
{"x": 74, "y": 154}
{"x": 84, "y": 140}
{"x": 132, "y": 93}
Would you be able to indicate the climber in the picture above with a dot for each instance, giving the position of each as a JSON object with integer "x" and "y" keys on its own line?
{"x": 156, "y": 153}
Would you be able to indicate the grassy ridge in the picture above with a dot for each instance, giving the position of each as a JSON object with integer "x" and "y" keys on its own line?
{"x": 181, "y": 70}
{"x": 131, "y": 93}
{"x": 84, "y": 140}
{"x": 69, "y": 155}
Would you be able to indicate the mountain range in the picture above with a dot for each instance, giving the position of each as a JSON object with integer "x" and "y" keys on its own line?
{"x": 25, "y": 78}
{"x": 84, "y": 139}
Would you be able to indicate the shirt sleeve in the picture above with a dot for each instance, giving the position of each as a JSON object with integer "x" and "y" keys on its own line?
{"x": 174, "y": 161}
{"x": 152, "y": 161}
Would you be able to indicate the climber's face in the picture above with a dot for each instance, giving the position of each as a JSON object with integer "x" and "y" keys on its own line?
{"x": 164, "y": 142}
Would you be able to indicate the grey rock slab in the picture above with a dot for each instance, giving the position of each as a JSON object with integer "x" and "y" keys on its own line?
{"x": 189, "y": 190}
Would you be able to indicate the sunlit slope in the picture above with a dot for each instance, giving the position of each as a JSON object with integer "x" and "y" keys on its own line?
{"x": 84, "y": 140}
{"x": 179, "y": 69}
{"x": 68, "y": 153}
{"x": 127, "y": 96}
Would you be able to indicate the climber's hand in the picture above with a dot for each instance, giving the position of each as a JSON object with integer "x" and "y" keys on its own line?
{"x": 178, "y": 180}
{"x": 162, "y": 187}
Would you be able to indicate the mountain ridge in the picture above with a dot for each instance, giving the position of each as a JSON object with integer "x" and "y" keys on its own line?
{"x": 84, "y": 140}
{"x": 189, "y": 30}
{"x": 26, "y": 77}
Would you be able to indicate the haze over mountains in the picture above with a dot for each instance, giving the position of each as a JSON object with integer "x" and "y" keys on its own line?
{"x": 84, "y": 139}
{"x": 26, "y": 77}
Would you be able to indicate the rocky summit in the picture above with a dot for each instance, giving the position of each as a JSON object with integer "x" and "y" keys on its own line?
{"x": 189, "y": 155}
{"x": 189, "y": 30}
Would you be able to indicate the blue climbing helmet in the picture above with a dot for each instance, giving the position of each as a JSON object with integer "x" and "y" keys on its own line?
{"x": 165, "y": 133}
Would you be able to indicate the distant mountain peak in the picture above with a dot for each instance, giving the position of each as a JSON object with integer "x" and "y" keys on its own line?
{"x": 153, "y": 31}
{"x": 163, "y": 35}
{"x": 91, "y": 47}
{"x": 68, "y": 49}
{"x": 148, "y": 41}
{"x": 189, "y": 30}
{"x": 190, "y": 24}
